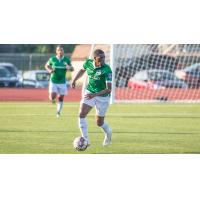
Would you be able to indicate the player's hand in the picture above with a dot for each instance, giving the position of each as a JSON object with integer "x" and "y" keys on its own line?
{"x": 68, "y": 67}
{"x": 51, "y": 71}
{"x": 73, "y": 84}
{"x": 89, "y": 96}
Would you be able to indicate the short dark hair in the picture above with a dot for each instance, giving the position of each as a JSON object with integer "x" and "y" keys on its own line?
{"x": 60, "y": 46}
{"x": 98, "y": 52}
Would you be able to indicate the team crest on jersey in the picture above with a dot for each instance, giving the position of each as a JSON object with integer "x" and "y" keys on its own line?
{"x": 98, "y": 73}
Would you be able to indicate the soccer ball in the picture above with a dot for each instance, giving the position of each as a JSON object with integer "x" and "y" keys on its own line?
{"x": 80, "y": 144}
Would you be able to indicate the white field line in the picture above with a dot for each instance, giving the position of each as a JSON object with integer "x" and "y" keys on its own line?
{"x": 111, "y": 114}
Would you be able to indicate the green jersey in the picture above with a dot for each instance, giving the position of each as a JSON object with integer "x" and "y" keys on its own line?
{"x": 59, "y": 66}
{"x": 98, "y": 76}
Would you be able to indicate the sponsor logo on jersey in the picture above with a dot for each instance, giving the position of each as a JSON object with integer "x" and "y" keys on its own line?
{"x": 60, "y": 67}
{"x": 95, "y": 77}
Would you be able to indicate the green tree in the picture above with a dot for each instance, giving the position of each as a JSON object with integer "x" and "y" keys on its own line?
{"x": 33, "y": 48}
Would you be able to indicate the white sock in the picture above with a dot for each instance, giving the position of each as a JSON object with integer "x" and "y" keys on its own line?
{"x": 83, "y": 128}
{"x": 106, "y": 128}
{"x": 59, "y": 106}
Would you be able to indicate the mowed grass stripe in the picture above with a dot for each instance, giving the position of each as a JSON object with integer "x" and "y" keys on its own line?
{"x": 137, "y": 128}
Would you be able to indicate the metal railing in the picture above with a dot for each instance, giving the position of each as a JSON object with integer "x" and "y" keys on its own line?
{"x": 25, "y": 61}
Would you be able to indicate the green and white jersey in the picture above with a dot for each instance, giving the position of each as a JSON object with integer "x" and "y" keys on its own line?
{"x": 59, "y": 67}
{"x": 98, "y": 76}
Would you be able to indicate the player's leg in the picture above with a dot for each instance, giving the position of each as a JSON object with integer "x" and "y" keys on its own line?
{"x": 52, "y": 92}
{"x": 62, "y": 90}
{"x": 84, "y": 110}
{"x": 102, "y": 105}
{"x": 52, "y": 97}
{"x": 60, "y": 104}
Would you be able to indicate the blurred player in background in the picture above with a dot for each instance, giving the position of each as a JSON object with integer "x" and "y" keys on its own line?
{"x": 97, "y": 94}
{"x": 57, "y": 66}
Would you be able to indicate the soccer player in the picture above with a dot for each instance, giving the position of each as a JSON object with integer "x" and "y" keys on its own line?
{"x": 57, "y": 66}
{"x": 97, "y": 94}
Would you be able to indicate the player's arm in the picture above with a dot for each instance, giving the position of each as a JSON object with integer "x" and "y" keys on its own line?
{"x": 102, "y": 92}
{"x": 78, "y": 75}
{"x": 48, "y": 67}
{"x": 69, "y": 66}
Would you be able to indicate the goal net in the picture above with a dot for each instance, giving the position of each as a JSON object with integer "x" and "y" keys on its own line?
{"x": 154, "y": 72}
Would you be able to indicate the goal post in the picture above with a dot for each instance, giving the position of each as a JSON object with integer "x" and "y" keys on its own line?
{"x": 112, "y": 99}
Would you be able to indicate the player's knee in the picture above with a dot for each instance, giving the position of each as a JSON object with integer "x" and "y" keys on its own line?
{"x": 99, "y": 122}
{"x": 51, "y": 98}
{"x": 61, "y": 98}
{"x": 82, "y": 115}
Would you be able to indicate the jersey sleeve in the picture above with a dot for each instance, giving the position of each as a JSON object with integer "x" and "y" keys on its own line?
{"x": 108, "y": 76}
{"x": 49, "y": 62}
{"x": 85, "y": 64}
{"x": 68, "y": 61}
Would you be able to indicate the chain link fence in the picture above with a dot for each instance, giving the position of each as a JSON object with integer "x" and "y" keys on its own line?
{"x": 25, "y": 62}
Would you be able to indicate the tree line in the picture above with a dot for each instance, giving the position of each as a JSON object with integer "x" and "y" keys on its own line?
{"x": 34, "y": 48}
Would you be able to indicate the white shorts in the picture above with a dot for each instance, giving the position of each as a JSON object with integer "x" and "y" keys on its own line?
{"x": 101, "y": 104}
{"x": 60, "y": 89}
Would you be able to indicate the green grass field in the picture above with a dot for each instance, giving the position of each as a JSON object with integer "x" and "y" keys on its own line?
{"x": 137, "y": 128}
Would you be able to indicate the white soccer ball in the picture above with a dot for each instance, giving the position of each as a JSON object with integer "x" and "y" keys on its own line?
{"x": 80, "y": 143}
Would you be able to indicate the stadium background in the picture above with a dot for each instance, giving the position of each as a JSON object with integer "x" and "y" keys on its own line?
{"x": 33, "y": 57}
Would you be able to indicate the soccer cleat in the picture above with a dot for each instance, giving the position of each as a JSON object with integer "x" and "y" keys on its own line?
{"x": 58, "y": 114}
{"x": 88, "y": 145}
{"x": 88, "y": 142}
{"x": 108, "y": 138}
{"x": 53, "y": 101}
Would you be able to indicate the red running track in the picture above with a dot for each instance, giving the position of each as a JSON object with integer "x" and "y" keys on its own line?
{"x": 171, "y": 94}
{"x": 16, "y": 94}
{"x": 74, "y": 95}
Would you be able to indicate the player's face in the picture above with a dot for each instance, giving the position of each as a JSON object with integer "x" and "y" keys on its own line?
{"x": 60, "y": 51}
{"x": 99, "y": 60}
